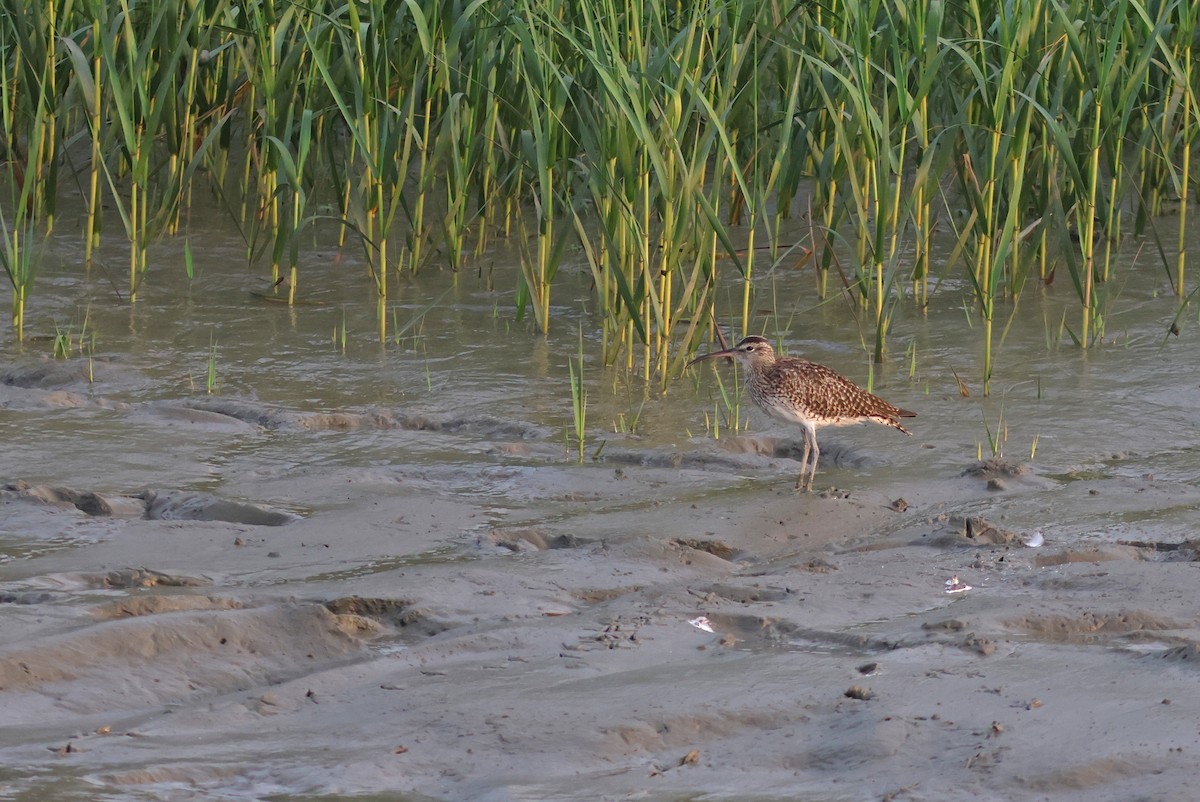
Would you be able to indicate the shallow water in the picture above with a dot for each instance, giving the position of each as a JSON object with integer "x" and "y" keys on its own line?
{"x": 440, "y": 459}
{"x": 469, "y": 387}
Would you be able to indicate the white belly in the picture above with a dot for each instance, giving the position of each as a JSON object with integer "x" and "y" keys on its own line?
{"x": 800, "y": 417}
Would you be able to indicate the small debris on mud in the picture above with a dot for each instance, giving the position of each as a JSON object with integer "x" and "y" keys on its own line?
{"x": 955, "y": 585}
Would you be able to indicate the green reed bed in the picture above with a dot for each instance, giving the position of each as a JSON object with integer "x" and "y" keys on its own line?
{"x": 660, "y": 146}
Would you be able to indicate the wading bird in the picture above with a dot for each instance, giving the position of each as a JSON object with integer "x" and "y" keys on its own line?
{"x": 798, "y": 391}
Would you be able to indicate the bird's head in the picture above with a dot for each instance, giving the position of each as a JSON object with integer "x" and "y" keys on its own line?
{"x": 752, "y": 351}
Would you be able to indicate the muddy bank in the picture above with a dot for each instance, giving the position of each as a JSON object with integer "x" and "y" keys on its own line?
{"x": 403, "y": 640}
{"x": 355, "y": 570}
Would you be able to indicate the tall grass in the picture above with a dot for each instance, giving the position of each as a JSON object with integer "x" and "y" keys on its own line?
{"x": 659, "y": 147}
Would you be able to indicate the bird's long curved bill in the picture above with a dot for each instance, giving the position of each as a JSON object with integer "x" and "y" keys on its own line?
{"x": 728, "y": 352}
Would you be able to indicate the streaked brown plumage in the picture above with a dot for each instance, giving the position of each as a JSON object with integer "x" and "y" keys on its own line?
{"x": 798, "y": 391}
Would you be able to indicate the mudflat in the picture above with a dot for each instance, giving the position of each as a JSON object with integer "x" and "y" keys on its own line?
{"x": 378, "y": 573}
{"x": 653, "y": 625}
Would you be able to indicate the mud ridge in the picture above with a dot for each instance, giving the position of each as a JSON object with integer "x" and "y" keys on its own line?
{"x": 183, "y": 505}
{"x": 155, "y": 505}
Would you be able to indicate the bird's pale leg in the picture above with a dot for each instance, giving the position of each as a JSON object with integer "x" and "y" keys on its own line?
{"x": 803, "y": 463}
{"x": 816, "y": 454}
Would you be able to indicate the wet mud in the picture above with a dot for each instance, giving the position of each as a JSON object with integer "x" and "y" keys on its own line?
{"x": 382, "y": 574}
